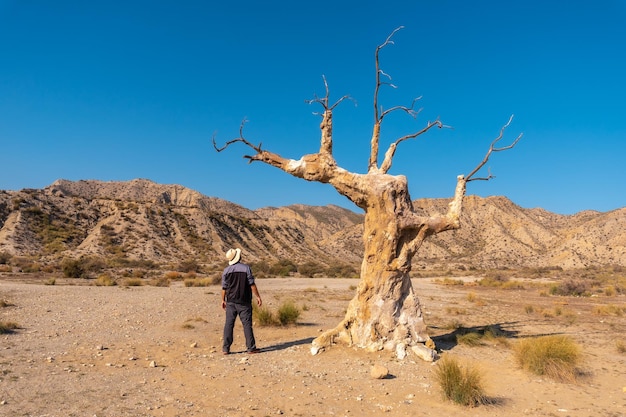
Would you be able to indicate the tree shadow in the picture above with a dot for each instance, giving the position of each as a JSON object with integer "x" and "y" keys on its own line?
{"x": 448, "y": 341}
{"x": 287, "y": 345}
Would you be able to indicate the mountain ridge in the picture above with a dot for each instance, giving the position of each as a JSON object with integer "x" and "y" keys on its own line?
{"x": 144, "y": 220}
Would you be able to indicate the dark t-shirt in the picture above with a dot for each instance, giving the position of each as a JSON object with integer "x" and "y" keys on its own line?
{"x": 236, "y": 281}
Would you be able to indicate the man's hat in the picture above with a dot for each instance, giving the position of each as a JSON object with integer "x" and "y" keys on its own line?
{"x": 233, "y": 256}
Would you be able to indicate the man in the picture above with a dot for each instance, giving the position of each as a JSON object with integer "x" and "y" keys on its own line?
{"x": 237, "y": 289}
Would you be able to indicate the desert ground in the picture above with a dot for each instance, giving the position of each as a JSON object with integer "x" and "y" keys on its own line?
{"x": 84, "y": 350}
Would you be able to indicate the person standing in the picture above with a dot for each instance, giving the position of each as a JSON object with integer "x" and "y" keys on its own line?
{"x": 238, "y": 286}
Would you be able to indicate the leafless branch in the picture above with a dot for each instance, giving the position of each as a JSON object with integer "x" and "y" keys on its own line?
{"x": 409, "y": 110}
{"x": 388, "y": 41}
{"x": 324, "y": 100}
{"x": 493, "y": 148}
{"x": 241, "y": 139}
{"x": 386, "y": 165}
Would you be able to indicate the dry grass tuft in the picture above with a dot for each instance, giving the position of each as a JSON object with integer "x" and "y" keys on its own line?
{"x": 609, "y": 310}
{"x": 460, "y": 384}
{"x": 7, "y": 327}
{"x": 556, "y": 357}
{"x": 287, "y": 313}
{"x": 104, "y": 280}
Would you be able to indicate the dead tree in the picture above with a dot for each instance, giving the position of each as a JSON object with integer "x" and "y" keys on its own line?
{"x": 385, "y": 313}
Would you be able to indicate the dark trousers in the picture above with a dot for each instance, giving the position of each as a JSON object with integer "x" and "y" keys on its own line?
{"x": 244, "y": 311}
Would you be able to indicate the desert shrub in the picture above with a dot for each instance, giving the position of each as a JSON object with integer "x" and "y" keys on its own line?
{"x": 481, "y": 336}
{"x": 105, "y": 280}
{"x": 264, "y": 316}
{"x": 50, "y": 281}
{"x": 529, "y": 309}
{"x": 556, "y": 357}
{"x": 450, "y": 281}
{"x": 470, "y": 339}
{"x": 5, "y": 257}
{"x": 202, "y": 282}
{"x": 160, "y": 282}
{"x": 288, "y": 313}
{"x": 73, "y": 268}
{"x": 260, "y": 268}
{"x": 174, "y": 275}
{"x": 81, "y": 267}
{"x": 189, "y": 265}
{"x": 133, "y": 282}
{"x": 461, "y": 385}
{"x": 342, "y": 271}
{"x": 609, "y": 310}
{"x": 571, "y": 286}
{"x": 283, "y": 268}
{"x": 620, "y": 346}
{"x": 7, "y": 327}
{"x": 310, "y": 269}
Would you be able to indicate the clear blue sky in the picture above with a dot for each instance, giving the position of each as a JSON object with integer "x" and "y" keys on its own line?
{"x": 117, "y": 90}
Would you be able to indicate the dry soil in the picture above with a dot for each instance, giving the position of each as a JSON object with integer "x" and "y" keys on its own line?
{"x": 84, "y": 350}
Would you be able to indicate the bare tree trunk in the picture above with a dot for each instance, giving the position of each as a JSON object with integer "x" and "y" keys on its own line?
{"x": 386, "y": 312}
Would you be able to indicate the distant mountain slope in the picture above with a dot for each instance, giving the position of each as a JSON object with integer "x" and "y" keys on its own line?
{"x": 140, "y": 219}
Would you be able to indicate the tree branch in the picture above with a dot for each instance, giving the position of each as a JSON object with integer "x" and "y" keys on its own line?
{"x": 492, "y": 148}
{"x": 373, "y": 161}
{"x": 386, "y": 165}
{"x": 241, "y": 139}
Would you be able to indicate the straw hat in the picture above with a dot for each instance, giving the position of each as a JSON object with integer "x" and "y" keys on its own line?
{"x": 233, "y": 256}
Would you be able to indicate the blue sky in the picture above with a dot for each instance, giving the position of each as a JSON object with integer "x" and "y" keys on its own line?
{"x": 117, "y": 90}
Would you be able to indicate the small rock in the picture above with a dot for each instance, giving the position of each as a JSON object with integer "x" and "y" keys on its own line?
{"x": 153, "y": 364}
{"x": 424, "y": 353}
{"x": 379, "y": 372}
{"x": 193, "y": 345}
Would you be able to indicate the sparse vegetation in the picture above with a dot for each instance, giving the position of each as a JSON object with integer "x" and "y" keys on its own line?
{"x": 481, "y": 336}
{"x": 620, "y": 346}
{"x": 556, "y": 357}
{"x": 160, "y": 282}
{"x": 288, "y": 313}
{"x": 201, "y": 282}
{"x": 81, "y": 267}
{"x": 460, "y": 384}
{"x": 7, "y": 327}
{"x": 609, "y": 310}
{"x": 5, "y": 257}
{"x": 571, "y": 286}
{"x": 263, "y": 316}
{"x": 133, "y": 282}
{"x": 105, "y": 280}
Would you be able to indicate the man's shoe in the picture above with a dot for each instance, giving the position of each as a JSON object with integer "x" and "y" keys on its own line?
{"x": 225, "y": 353}
{"x": 255, "y": 350}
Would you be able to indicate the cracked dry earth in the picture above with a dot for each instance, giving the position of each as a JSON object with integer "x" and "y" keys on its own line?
{"x": 156, "y": 351}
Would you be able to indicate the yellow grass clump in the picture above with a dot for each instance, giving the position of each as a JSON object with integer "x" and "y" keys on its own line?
{"x": 556, "y": 356}
{"x": 460, "y": 384}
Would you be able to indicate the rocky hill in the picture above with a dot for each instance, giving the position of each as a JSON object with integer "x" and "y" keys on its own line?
{"x": 142, "y": 220}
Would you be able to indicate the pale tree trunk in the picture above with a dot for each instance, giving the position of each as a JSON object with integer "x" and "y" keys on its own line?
{"x": 385, "y": 312}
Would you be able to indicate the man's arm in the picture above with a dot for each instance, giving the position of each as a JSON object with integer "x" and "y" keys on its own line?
{"x": 224, "y": 299}
{"x": 255, "y": 291}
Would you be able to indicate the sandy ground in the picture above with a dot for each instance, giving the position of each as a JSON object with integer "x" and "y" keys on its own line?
{"x": 156, "y": 351}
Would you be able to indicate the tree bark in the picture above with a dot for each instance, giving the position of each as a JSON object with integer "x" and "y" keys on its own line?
{"x": 386, "y": 312}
